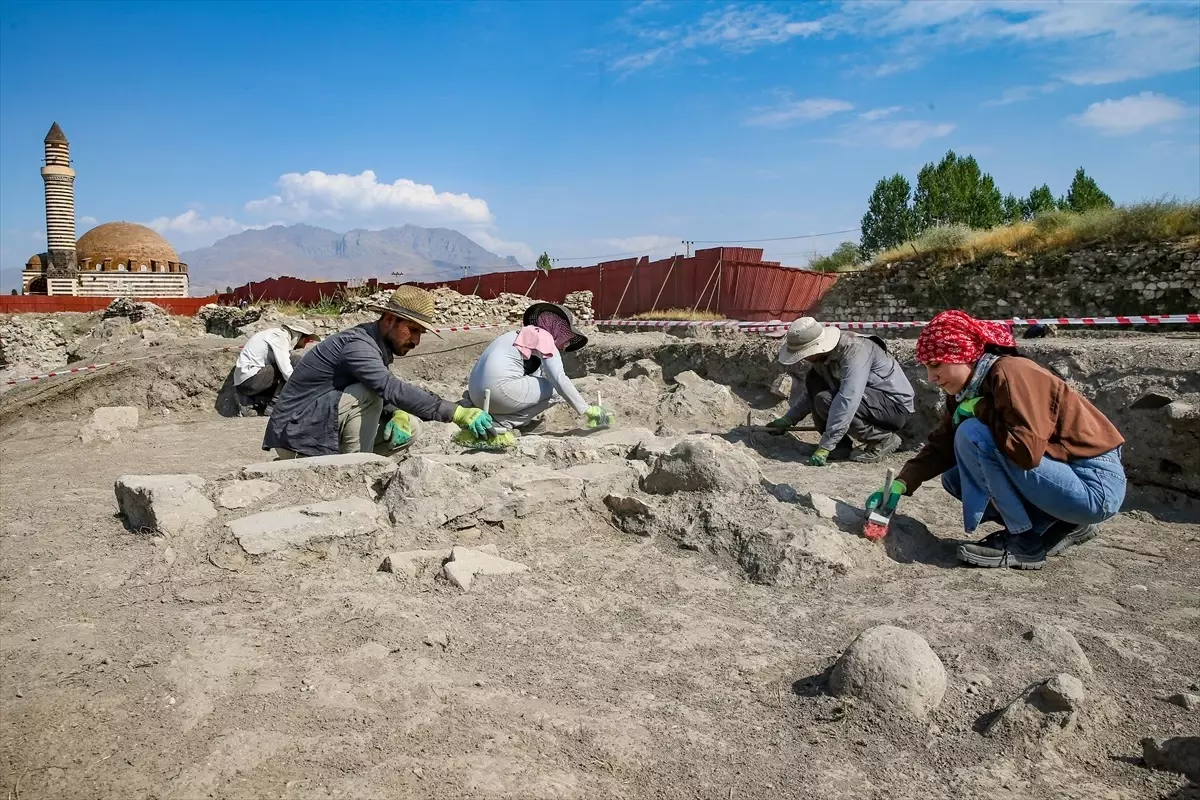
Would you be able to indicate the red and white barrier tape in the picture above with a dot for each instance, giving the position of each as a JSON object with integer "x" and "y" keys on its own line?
{"x": 753, "y": 327}
{"x": 741, "y": 327}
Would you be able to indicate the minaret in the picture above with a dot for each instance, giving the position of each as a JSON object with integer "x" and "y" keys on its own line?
{"x": 60, "y": 205}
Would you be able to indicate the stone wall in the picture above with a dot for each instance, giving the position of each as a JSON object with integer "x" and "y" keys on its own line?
{"x": 1160, "y": 278}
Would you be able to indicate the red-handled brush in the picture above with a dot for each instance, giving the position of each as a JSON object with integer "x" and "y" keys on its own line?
{"x": 877, "y": 524}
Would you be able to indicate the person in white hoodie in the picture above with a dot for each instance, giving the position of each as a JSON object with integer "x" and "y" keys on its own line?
{"x": 265, "y": 364}
{"x": 524, "y": 371}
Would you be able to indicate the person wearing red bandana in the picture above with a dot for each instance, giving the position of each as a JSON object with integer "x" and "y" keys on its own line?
{"x": 1016, "y": 445}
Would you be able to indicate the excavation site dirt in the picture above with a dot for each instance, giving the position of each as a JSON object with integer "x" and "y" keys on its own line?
{"x": 670, "y": 607}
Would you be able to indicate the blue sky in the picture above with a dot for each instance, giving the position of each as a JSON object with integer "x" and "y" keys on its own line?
{"x": 581, "y": 128}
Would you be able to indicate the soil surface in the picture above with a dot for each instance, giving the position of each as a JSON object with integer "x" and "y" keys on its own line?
{"x": 621, "y": 665}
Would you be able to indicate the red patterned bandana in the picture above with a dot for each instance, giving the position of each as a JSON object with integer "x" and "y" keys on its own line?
{"x": 557, "y": 327}
{"x": 955, "y": 337}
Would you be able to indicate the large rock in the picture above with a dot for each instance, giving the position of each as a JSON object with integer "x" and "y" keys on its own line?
{"x": 107, "y": 423}
{"x": 271, "y": 531}
{"x": 172, "y": 505}
{"x": 243, "y": 494}
{"x": 526, "y": 491}
{"x": 631, "y": 514}
{"x": 1058, "y": 646}
{"x": 426, "y": 493}
{"x": 344, "y": 467}
{"x": 643, "y": 368}
{"x": 465, "y": 564}
{"x": 603, "y": 479}
{"x": 693, "y": 397}
{"x": 893, "y": 669}
{"x": 701, "y": 464}
{"x": 1180, "y": 754}
{"x": 1045, "y": 709}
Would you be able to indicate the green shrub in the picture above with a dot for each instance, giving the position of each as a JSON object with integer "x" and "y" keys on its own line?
{"x": 944, "y": 238}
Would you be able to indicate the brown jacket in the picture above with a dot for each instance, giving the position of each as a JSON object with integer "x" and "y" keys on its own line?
{"x": 1031, "y": 412}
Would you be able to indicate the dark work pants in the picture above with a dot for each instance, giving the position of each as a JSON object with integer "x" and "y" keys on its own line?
{"x": 878, "y": 415}
{"x": 260, "y": 388}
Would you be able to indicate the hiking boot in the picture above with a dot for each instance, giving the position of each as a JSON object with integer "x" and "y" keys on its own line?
{"x": 874, "y": 452}
{"x": 1019, "y": 552}
{"x": 1063, "y": 535}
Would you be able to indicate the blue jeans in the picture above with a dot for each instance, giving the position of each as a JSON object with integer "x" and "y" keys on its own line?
{"x": 992, "y": 488}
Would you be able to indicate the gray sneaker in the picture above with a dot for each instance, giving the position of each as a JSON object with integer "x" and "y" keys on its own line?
{"x": 1058, "y": 541}
{"x": 874, "y": 452}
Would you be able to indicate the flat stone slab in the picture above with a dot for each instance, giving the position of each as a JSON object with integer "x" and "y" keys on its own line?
{"x": 413, "y": 562}
{"x": 169, "y": 504}
{"x": 243, "y": 494}
{"x": 107, "y": 423}
{"x": 271, "y": 531}
{"x": 465, "y": 563}
{"x": 347, "y": 465}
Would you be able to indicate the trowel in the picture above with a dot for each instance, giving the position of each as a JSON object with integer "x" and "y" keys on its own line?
{"x": 752, "y": 428}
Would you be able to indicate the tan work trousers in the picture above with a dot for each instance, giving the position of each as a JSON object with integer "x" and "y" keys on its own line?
{"x": 359, "y": 431}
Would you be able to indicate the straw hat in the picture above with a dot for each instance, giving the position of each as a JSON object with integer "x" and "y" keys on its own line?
{"x": 411, "y": 303}
{"x": 300, "y": 327}
{"x": 578, "y": 340}
{"x": 807, "y": 337}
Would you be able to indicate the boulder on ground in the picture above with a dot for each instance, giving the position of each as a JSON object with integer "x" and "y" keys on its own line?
{"x": 465, "y": 564}
{"x": 781, "y": 387}
{"x": 1185, "y": 700}
{"x": 893, "y": 669}
{"x": 107, "y": 423}
{"x": 631, "y": 514}
{"x": 701, "y": 464}
{"x": 1060, "y": 648}
{"x": 172, "y": 505}
{"x": 271, "y": 531}
{"x": 412, "y": 562}
{"x": 426, "y": 493}
{"x": 643, "y": 368}
{"x": 243, "y": 494}
{"x": 1179, "y": 754}
{"x": 1044, "y": 709}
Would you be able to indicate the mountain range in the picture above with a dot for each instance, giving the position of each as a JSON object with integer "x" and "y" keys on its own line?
{"x": 305, "y": 251}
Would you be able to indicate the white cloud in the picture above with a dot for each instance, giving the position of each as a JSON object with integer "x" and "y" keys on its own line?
{"x": 518, "y": 250}
{"x": 317, "y": 195}
{"x": 893, "y": 135}
{"x": 642, "y": 244}
{"x": 731, "y": 29}
{"x": 793, "y": 111}
{"x": 1132, "y": 114}
{"x": 191, "y": 224}
{"x": 85, "y": 220}
{"x": 880, "y": 113}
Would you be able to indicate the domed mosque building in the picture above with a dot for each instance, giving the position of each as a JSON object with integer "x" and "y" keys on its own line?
{"x": 116, "y": 259}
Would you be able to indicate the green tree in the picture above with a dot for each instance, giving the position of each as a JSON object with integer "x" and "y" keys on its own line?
{"x": 1013, "y": 209}
{"x": 956, "y": 191}
{"x": 889, "y": 220}
{"x": 543, "y": 263}
{"x": 1085, "y": 195}
{"x": 844, "y": 256}
{"x": 1040, "y": 200}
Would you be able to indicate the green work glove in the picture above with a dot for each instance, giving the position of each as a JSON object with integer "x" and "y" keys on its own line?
{"x": 779, "y": 426}
{"x": 820, "y": 458}
{"x": 876, "y": 499}
{"x": 398, "y": 431}
{"x": 598, "y": 416}
{"x": 474, "y": 419}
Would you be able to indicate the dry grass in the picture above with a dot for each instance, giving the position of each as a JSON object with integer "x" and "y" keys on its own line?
{"x": 679, "y": 315}
{"x": 328, "y": 307}
{"x": 1145, "y": 222}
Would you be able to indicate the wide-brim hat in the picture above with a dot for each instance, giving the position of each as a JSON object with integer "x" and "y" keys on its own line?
{"x": 578, "y": 340}
{"x": 301, "y": 327}
{"x": 806, "y": 337}
{"x": 411, "y": 303}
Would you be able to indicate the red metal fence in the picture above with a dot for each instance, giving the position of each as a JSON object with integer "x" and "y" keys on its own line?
{"x": 51, "y": 304}
{"x": 732, "y": 281}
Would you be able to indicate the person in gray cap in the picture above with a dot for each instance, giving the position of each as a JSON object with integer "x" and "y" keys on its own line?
{"x": 265, "y": 364}
{"x": 854, "y": 389}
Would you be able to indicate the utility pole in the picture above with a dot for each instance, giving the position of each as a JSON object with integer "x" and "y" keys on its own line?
{"x": 688, "y": 246}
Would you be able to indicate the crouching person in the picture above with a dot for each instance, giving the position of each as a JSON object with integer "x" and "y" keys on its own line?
{"x": 342, "y": 398}
{"x": 854, "y": 389}
{"x": 265, "y": 364}
{"x": 1016, "y": 445}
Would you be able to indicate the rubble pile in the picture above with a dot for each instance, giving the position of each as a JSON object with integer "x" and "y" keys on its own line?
{"x": 452, "y": 308}
{"x": 133, "y": 310}
{"x": 32, "y": 341}
{"x": 227, "y": 320}
{"x": 580, "y": 304}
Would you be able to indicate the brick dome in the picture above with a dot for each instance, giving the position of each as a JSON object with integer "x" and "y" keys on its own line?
{"x": 122, "y": 241}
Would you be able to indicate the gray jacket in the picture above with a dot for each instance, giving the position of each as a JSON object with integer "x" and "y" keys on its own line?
{"x": 305, "y": 419}
{"x": 856, "y": 364}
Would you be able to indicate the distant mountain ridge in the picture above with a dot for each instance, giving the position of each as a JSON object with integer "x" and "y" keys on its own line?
{"x": 306, "y": 251}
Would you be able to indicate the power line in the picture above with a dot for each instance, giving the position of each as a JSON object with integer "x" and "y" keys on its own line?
{"x": 775, "y": 239}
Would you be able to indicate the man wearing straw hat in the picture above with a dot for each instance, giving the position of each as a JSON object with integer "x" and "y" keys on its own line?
{"x": 337, "y": 396}
{"x": 854, "y": 389}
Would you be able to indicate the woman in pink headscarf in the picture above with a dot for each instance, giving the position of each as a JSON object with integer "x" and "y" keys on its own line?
{"x": 1016, "y": 445}
{"x": 524, "y": 371}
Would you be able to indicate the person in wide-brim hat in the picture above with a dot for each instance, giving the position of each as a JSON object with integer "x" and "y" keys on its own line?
{"x": 265, "y": 364}
{"x": 343, "y": 398}
{"x": 854, "y": 389}
{"x": 525, "y": 374}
